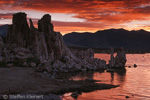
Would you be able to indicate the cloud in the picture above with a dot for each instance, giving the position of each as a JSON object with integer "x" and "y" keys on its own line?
{"x": 6, "y": 15}
{"x": 95, "y": 13}
{"x": 7, "y": 1}
{"x": 67, "y": 27}
{"x": 94, "y": 10}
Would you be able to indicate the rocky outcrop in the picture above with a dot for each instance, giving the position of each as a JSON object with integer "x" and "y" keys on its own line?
{"x": 45, "y": 42}
{"x": 13, "y": 54}
{"x": 119, "y": 60}
{"x": 112, "y": 58}
{"x": 22, "y": 53}
{"x": 54, "y": 40}
{"x": 25, "y": 43}
{"x": 87, "y": 61}
{"x": 38, "y": 43}
{"x": 18, "y": 32}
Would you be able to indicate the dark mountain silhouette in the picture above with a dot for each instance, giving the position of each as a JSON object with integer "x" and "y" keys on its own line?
{"x": 3, "y": 30}
{"x": 116, "y": 38}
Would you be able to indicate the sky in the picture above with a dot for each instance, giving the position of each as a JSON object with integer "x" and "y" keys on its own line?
{"x": 82, "y": 15}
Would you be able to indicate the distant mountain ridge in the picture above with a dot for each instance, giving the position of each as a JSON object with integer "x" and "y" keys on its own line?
{"x": 116, "y": 38}
{"x": 3, "y": 30}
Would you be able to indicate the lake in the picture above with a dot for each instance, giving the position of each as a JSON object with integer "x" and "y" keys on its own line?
{"x": 134, "y": 82}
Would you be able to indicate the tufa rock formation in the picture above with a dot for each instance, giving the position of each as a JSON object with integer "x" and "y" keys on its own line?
{"x": 119, "y": 60}
{"x": 38, "y": 43}
{"x": 46, "y": 43}
{"x": 44, "y": 48}
{"x": 19, "y": 32}
{"x": 112, "y": 58}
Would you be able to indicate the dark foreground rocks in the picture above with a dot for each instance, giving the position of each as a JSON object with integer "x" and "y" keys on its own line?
{"x": 26, "y": 81}
{"x": 30, "y": 97}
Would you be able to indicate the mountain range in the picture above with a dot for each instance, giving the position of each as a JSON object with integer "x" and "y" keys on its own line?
{"x": 116, "y": 38}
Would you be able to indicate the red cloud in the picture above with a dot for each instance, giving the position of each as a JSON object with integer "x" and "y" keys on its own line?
{"x": 7, "y": 1}
{"x": 103, "y": 12}
{"x": 6, "y": 16}
{"x": 94, "y": 10}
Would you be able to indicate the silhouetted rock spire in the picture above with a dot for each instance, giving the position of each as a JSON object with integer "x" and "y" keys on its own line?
{"x": 54, "y": 40}
{"x": 31, "y": 24}
{"x": 19, "y": 32}
{"x": 45, "y": 25}
{"x": 119, "y": 60}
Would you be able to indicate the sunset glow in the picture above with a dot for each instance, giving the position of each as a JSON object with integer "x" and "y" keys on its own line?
{"x": 82, "y": 15}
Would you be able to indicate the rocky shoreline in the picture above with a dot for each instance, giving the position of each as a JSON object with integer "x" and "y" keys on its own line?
{"x": 19, "y": 80}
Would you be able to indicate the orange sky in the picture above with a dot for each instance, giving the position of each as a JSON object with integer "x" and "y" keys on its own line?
{"x": 82, "y": 15}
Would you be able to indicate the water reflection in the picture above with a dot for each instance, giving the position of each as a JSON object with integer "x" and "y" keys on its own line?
{"x": 121, "y": 74}
{"x": 112, "y": 77}
{"x": 134, "y": 82}
{"x": 116, "y": 78}
{"x": 77, "y": 75}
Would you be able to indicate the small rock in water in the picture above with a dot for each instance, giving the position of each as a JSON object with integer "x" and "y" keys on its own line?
{"x": 129, "y": 66}
{"x": 127, "y": 97}
{"x": 135, "y": 65}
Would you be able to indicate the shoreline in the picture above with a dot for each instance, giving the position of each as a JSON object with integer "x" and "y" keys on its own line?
{"x": 21, "y": 80}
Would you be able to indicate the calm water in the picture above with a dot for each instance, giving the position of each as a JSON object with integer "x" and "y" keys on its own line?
{"x": 134, "y": 82}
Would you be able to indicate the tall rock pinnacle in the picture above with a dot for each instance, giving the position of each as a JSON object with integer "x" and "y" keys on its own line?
{"x": 53, "y": 39}
{"x": 45, "y": 25}
{"x": 19, "y": 32}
